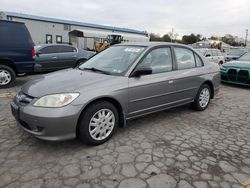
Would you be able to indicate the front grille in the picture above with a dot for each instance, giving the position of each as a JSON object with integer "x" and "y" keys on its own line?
{"x": 243, "y": 76}
{"x": 223, "y": 77}
{"x": 23, "y": 99}
{"x": 232, "y": 74}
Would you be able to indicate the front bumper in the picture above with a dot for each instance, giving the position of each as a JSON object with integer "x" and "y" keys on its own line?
{"x": 53, "y": 124}
{"x": 235, "y": 79}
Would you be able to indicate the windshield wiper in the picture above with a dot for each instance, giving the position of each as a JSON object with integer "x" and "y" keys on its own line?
{"x": 96, "y": 70}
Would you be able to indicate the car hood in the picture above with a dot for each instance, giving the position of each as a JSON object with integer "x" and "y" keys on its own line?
{"x": 238, "y": 64}
{"x": 69, "y": 80}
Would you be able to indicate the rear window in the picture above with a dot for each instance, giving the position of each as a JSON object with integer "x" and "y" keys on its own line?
{"x": 14, "y": 34}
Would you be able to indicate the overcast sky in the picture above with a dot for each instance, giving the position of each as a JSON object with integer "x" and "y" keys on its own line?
{"x": 206, "y": 17}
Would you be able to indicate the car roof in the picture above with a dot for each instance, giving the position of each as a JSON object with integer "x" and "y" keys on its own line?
{"x": 152, "y": 44}
{"x": 45, "y": 45}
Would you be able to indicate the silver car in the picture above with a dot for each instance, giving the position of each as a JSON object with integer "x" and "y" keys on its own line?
{"x": 123, "y": 82}
{"x": 213, "y": 55}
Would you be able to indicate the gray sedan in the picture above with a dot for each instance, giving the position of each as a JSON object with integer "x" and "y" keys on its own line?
{"x": 52, "y": 57}
{"x": 123, "y": 82}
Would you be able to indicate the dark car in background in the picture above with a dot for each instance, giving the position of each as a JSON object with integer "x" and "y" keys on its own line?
{"x": 16, "y": 51}
{"x": 52, "y": 57}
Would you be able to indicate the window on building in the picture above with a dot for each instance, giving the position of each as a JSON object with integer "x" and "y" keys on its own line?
{"x": 9, "y": 18}
{"x": 66, "y": 27}
{"x": 58, "y": 39}
{"x": 185, "y": 58}
{"x": 49, "y": 39}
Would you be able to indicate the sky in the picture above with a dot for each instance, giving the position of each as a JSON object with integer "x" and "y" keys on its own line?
{"x": 205, "y": 17}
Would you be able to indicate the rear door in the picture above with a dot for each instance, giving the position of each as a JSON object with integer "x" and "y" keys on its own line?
{"x": 187, "y": 76}
{"x": 47, "y": 58}
{"x": 67, "y": 56}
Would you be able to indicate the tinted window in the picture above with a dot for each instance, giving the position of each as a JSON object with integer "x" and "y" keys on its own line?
{"x": 49, "y": 50}
{"x": 214, "y": 53}
{"x": 64, "y": 49}
{"x": 198, "y": 60}
{"x": 184, "y": 58}
{"x": 160, "y": 60}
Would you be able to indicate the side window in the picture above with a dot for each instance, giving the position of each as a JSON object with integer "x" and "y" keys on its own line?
{"x": 49, "y": 50}
{"x": 185, "y": 58}
{"x": 159, "y": 60}
{"x": 65, "y": 49}
{"x": 214, "y": 53}
{"x": 198, "y": 60}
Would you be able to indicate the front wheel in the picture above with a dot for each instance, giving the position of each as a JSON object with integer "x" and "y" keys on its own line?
{"x": 98, "y": 123}
{"x": 202, "y": 98}
{"x": 7, "y": 76}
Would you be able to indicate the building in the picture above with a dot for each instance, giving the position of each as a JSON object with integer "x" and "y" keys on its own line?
{"x": 51, "y": 30}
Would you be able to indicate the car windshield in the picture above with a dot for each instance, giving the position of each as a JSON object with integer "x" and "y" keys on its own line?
{"x": 245, "y": 57}
{"x": 114, "y": 61}
{"x": 235, "y": 52}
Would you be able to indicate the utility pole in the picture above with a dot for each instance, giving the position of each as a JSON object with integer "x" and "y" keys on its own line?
{"x": 246, "y": 37}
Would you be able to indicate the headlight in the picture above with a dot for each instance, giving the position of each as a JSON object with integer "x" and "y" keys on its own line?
{"x": 56, "y": 100}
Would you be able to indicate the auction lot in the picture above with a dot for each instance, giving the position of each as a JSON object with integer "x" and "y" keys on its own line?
{"x": 174, "y": 148}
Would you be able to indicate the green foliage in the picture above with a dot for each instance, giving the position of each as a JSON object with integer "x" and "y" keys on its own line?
{"x": 231, "y": 41}
{"x": 165, "y": 38}
{"x": 190, "y": 39}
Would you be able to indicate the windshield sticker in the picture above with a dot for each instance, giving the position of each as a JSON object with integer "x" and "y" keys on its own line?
{"x": 136, "y": 50}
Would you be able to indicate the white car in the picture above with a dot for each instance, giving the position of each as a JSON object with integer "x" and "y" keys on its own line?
{"x": 213, "y": 55}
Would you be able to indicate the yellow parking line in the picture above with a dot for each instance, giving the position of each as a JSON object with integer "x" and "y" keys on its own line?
{"x": 7, "y": 95}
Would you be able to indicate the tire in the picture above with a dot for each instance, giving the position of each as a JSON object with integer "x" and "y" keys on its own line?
{"x": 221, "y": 62}
{"x": 7, "y": 76}
{"x": 199, "y": 105}
{"x": 92, "y": 116}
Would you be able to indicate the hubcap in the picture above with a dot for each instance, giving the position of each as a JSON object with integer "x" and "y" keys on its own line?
{"x": 102, "y": 124}
{"x": 204, "y": 97}
{"x": 5, "y": 77}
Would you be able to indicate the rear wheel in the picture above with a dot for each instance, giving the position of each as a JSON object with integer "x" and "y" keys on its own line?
{"x": 202, "y": 98}
{"x": 98, "y": 123}
{"x": 7, "y": 76}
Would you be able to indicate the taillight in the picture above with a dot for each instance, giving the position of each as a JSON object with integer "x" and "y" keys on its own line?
{"x": 33, "y": 53}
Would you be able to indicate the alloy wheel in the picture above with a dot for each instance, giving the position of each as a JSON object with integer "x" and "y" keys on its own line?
{"x": 101, "y": 124}
{"x": 204, "y": 97}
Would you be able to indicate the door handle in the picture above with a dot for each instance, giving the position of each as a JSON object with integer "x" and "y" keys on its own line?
{"x": 171, "y": 81}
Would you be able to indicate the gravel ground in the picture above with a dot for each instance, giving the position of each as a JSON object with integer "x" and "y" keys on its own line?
{"x": 174, "y": 148}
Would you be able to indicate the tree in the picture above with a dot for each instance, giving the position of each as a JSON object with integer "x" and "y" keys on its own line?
{"x": 166, "y": 38}
{"x": 229, "y": 39}
{"x": 154, "y": 37}
{"x": 190, "y": 39}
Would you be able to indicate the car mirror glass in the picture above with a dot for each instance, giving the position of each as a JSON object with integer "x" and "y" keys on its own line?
{"x": 142, "y": 71}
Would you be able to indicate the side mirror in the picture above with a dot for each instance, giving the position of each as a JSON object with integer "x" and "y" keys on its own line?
{"x": 208, "y": 55}
{"x": 142, "y": 71}
{"x": 38, "y": 53}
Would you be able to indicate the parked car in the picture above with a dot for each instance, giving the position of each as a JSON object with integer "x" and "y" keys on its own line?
{"x": 237, "y": 72}
{"x": 52, "y": 57}
{"x": 122, "y": 82}
{"x": 234, "y": 54}
{"x": 16, "y": 51}
{"x": 213, "y": 55}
